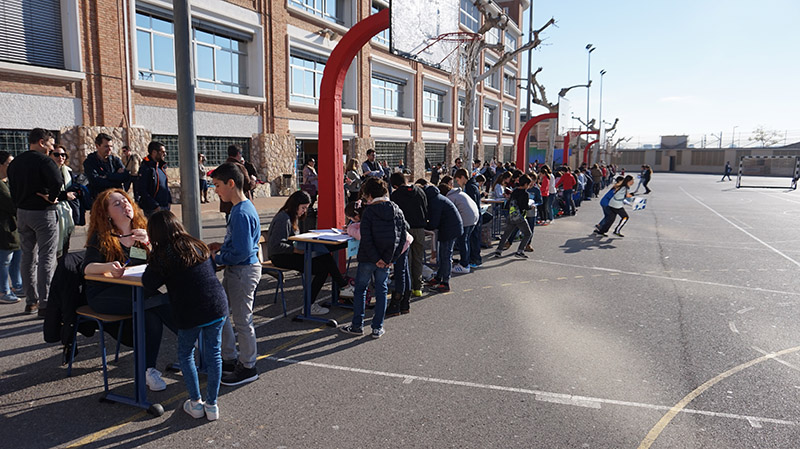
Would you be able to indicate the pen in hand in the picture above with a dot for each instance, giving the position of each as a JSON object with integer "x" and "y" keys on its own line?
{"x": 126, "y": 262}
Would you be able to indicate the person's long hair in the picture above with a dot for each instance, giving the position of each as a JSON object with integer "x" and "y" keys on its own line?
{"x": 501, "y": 178}
{"x": 352, "y": 165}
{"x": 545, "y": 169}
{"x": 173, "y": 248}
{"x": 101, "y": 225}
{"x": 624, "y": 182}
{"x": 293, "y": 203}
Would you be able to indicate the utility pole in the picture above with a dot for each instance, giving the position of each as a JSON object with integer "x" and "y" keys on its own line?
{"x": 530, "y": 87}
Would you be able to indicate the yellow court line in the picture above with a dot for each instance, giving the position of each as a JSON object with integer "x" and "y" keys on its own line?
{"x": 578, "y": 277}
{"x": 525, "y": 282}
{"x": 467, "y": 290}
{"x": 506, "y": 284}
{"x": 487, "y": 286}
{"x": 108, "y": 431}
{"x": 665, "y": 420}
{"x": 561, "y": 279}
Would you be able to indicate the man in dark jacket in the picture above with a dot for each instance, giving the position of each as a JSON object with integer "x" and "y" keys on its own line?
{"x": 472, "y": 190}
{"x": 444, "y": 217}
{"x": 35, "y": 183}
{"x": 414, "y": 204}
{"x": 104, "y": 170}
{"x": 153, "y": 186}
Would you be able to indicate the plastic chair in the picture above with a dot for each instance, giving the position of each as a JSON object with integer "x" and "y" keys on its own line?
{"x": 85, "y": 313}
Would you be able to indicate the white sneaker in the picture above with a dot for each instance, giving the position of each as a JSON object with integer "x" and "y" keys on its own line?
{"x": 154, "y": 381}
{"x": 347, "y": 292}
{"x": 460, "y": 269}
{"x": 317, "y": 309}
{"x": 194, "y": 409}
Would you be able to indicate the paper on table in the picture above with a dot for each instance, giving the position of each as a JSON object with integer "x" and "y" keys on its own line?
{"x": 135, "y": 271}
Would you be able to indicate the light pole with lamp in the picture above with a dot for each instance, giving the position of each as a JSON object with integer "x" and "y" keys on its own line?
{"x": 733, "y": 137}
{"x": 589, "y": 49}
{"x": 602, "y": 135}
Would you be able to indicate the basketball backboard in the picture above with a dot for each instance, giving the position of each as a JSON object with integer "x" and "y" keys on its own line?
{"x": 425, "y": 31}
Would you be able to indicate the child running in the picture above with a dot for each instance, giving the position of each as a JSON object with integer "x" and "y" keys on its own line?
{"x": 383, "y": 233}
{"x": 239, "y": 254}
{"x": 616, "y": 207}
{"x": 198, "y": 301}
{"x": 518, "y": 207}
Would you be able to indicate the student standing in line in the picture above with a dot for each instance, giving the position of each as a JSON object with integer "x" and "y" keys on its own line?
{"x": 470, "y": 214}
{"x": 518, "y": 208}
{"x": 10, "y": 253}
{"x": 414, "y": 204}
{"x": 239, "y": 253}
{"x": 443, "y": 217}
{"x": 198, "y": 301}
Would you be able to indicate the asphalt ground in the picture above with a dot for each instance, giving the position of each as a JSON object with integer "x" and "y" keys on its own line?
{"x": 682, "y": 334}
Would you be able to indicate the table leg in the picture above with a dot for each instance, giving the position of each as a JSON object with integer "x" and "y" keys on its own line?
{"x": 308, "y": 249}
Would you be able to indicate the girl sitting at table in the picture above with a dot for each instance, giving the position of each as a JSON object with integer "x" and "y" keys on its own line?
{"x": 283, "y": 254}
{"x": 198, "y": 301}
{"x": 117, "y": 238}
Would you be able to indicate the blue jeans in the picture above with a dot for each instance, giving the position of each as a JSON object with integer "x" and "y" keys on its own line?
{"x": 402, "y": 276}
{"x": 444, "y": 257}
{"x": 211, "y": 356}
{"x": 366, "y": 271}
{"x": 548, "y": 207}
{"x": 9, "y": 266}
{"x": 570, "y": 202}
{"x": 475, "y": 245}
{"x": 462, "y": 245}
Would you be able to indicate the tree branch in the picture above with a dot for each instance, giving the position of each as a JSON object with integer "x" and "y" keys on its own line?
{"x": 508, "y": 56}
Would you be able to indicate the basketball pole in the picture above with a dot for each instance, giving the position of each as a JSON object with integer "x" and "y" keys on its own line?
{"x": 331, "y": 174}
{"x": 523, "y": 135}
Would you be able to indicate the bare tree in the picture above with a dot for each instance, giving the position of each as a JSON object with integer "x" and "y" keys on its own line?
{"x": 765, "y": 137}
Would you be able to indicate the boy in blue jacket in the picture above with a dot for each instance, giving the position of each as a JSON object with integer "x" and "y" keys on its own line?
{"x": 443, "y": 217}
{"x": 239, "y": 254}
{"x": 383, "y": 233}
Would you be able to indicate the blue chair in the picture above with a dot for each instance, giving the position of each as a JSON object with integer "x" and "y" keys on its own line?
{"x": 85, "y": 313}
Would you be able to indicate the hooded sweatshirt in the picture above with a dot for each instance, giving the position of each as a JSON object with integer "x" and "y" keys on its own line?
{"x": 442, "y": 215}
{"x": 466, "y": 207}
{"x": 383, "y": 232}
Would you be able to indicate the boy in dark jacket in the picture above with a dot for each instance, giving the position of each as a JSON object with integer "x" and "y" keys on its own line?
{"x": 383, "y": 233}
{"x": 518, "y": 207}
{"x": 414, "y": 204}
{"x": 444, "y": 217}
{"x": 153, "y": 187}
{"x": 473, "y": 190}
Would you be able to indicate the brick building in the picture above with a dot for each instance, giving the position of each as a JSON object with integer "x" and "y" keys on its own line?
{"x": 108, "y": 66}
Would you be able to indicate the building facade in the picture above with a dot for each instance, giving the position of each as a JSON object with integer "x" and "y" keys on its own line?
{"x": 109, "y": 66}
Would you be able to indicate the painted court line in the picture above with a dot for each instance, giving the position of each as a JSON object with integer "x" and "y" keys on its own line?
{"x": 615, "y": 272}
{"x": 542, "y": 396}
{"x": 742, "y": 229}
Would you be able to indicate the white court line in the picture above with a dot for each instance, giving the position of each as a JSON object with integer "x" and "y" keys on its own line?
{"x": 782, "y": 362}
{"x": 691, "y": 281}
{"x": 741, "y": 229}
{"x": 779, "y": 197}
{"x": 543, "y": 396}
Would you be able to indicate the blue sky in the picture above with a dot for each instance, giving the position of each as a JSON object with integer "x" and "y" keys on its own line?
{"x": 677, "y": 67}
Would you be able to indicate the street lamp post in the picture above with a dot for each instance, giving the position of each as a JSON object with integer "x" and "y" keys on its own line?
{"x": 601, "y": 136}
{"x": 589, "y": 49}
{"x": 733, "y": 137}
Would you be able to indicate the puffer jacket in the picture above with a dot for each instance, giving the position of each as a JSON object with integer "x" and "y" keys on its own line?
{"x": 383, "y": 232}
{"x": 442, "y": 215}
{"x": 466, "y": 207}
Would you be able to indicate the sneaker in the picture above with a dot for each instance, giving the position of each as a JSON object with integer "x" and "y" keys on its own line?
{"x": 194, "y": 409}
{"x": 154, "y": 381}
{"x": 9, "y": 298}
{"x": 20, "y": 292}
{"x": 349, "y": 329}
{"x": 212, "y": 412}
{"x": 529, "y": 248}
{"x": 473, "y": 265}
{"x": 376, "y": 333}
{"x": 347, "y": 292}
{"x": 317, "y": 309}
{"x": 618, "y": 234}
{"x": 460, "y": 269}
{"x": 240, "y": 375}
{"x": 228, "y": 366}
{"x": 416, "y": 293}
{"x": 520, "y": 255}
{"x": 30, "y": 309}
{"x": 441, "y": 288}
{"x": 433, "y": 281}
{"x": 600, "y": 234}
{"x": 497, "y": 254}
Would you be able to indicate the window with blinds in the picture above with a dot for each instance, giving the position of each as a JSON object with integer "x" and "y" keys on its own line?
{"x": 30, "y": 33}
{"x": 215, "y": 149}
{"x": 435, "y": 152}
{"x": 391, "y": 152}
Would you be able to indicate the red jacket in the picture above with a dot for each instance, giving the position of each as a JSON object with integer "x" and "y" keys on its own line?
{"x": 567, "y": 181}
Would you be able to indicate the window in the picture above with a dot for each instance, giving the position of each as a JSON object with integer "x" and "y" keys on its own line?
{"x": 31, "y": 32}
{"x": 432, "y": 105}
{"x": 382, "y": 37}
{"x": 306, "y": 77}
{"x": 508, "y": 153}
{"x": 470, "y": 17}
{"x": 391, "y": 152}
{"x": 387, "y": 94}
{"x": 493, "y": 36}
{"x": 332, "y": 10}
{"x": 509, "y": 85}
{"x": 215, "y": 149}
{"x": 15, "y": 141}
{"x": 709, "y": 157}
{"x": 510, "y": 43}
{"x": 632, "y": 157}
{"x": 461, "y": 102}
{"x": 220, "y": 56}
{"x": 489, "y": 152}
{"x": 489, "y": 117}
{"x": 435, "y": 152}
{"x": 491, "y": 80}
{"x": 508, "y": 120}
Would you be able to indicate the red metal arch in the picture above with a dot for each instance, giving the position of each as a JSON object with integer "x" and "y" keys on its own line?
{"x": 523, "y": 133}
{"x": 565, "y": 157}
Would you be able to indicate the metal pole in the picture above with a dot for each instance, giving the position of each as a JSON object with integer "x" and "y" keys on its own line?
{"x": 600, "y": 135}
{"x": 187, "y": 139}
{"x": 590, "y": 49}
{"x": 530, "y": 67}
